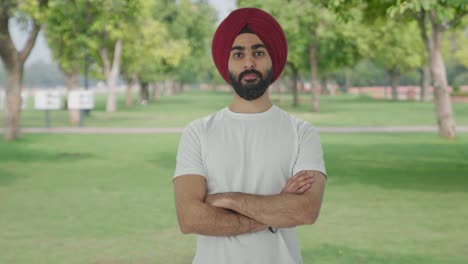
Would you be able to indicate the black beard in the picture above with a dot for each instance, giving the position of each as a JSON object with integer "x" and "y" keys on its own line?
{"x": 251, "y": 91}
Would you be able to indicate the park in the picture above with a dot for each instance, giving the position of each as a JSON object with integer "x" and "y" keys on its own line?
{"x": 93, "y": 183}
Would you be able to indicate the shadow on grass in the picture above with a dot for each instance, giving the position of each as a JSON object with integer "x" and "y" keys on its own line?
{"x": 331, "y": 254}
{"x": 20, "y": 153}
{"x": 421, "y": 167}
{"x": 7, "y": 177}
{"x": 25, "y": 155}
{"x": 166, "y": 160}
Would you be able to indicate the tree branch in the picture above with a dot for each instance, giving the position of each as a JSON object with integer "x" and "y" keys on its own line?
{"x": 117, "y": 56}
{"x": 105, "y": 60}
{"x": 457, "y": 19}
{"x": 7, "y": 47}
{"x": 24, "y": 53}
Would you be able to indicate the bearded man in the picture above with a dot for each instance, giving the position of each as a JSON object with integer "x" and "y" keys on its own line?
{"x": 248, "y": 174}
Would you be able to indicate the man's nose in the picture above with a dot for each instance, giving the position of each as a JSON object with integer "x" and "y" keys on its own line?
{"x": 249, "y": 62}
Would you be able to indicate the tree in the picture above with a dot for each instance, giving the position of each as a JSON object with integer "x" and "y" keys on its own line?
{"x": 310, "y": 20}
{"x": 442, "y": 15}
{"x": 110, "y": 21}
{"x": 66, "y": 32}
{"x": 340, "y": 46}
{"x": 434, "y": 18}
{"x": 149, "y": 51}
{"x": 194, "y": 23}
{"x": 396, "y": 47}
{"x": 32, "y": 12}
{"x": 312, "y": 30}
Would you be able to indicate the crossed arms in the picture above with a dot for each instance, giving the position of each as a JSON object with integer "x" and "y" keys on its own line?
{"x": 230, "y": 214}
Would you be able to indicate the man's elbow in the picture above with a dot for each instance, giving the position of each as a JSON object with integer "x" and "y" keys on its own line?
{"x": 185, "y": 229}
{"x": 310, "y": 217}
{"x": 185, "y": 226}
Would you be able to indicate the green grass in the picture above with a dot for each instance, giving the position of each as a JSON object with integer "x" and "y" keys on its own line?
{"x": 179, "y": 110}
{"x": 391, "y": 198}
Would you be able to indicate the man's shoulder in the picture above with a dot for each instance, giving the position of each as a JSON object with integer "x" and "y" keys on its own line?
{"x": 298, "y": 123}
{"x": 200, "y": 125}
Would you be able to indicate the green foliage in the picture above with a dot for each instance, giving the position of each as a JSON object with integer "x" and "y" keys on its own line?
{"x": 67, "y": 34}
{"x": 149, "y": 48}
{"x": 461, "y": 79}
{"x": 191, "y": 23}
{"x": 396, "y": 46}
{"x": 306, "y": 22}
{"x": 454, "y": 46}
{"x": 340, "y": 45}
{"x": 447, "y": 12}
{"x": 32, "y": 9}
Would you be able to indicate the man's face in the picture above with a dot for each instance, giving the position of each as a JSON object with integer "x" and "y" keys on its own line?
{"x": 250, "y": 66}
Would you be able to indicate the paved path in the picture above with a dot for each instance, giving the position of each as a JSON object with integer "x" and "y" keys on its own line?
{"x": 142, "y": 130}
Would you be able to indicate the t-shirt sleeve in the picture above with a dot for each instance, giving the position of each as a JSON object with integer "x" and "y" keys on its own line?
{"x": 189, "y": 153}
{"x": 310, "y": 153}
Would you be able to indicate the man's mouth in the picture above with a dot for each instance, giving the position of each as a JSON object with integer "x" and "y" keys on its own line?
{"x": 250, "y": 77}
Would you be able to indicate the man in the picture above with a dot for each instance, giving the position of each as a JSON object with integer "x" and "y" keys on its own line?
{"x": 248, "y": 174}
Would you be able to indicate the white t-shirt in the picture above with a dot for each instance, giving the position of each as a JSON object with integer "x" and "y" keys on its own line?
{"x": 249, "y": 153}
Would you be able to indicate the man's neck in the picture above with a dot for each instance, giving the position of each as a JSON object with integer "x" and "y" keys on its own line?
{"x": 260, "y": 105}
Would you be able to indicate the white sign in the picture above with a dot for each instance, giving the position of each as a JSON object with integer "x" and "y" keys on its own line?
{"x": 81, "y": 99}
{"x": 3, "y": 100}
{"x": 47, "y": 100}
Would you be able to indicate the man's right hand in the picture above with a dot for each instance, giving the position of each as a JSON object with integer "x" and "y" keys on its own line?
{"x": 299, "y": 183}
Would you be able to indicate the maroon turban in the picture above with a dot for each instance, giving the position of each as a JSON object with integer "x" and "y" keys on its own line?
{"x": 259, "y": 22}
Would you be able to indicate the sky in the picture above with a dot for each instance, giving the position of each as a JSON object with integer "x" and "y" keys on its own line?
{"x": 41, "y": 51}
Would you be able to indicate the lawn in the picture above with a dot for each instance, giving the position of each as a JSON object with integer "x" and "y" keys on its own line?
{"x": 391, "y": 198}
{"x": 179, "y": 110}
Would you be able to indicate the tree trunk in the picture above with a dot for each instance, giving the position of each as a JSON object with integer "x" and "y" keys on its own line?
{"x": 300, "y": 85}
{"x": 324, "y": 87}
{"x": 443, "y": 103}
{"x": 144, "y": 93}
{"x": 347, "y": 82}
{"x": 169, "y": 87}
{"x": 425, "y": 81}
{"x": 425, "y": 67}
{"x": 395, "y": 82}
{"x": 294, "y": 78}
{"x": 12, "y": 111}
{"x": 72, "y": 84}
{"x": 178, "y": 86}
{"x": 281, "y": 90}
{"x": 129, "y": 93}
{"x": 313, "y": 78}
{"x": 112, "y": 73}
{"x": 156, "y": 92}
{"x": 13, "y": 62}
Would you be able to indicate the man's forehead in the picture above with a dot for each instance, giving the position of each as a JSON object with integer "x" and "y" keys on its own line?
{"x": 247, "y": 40}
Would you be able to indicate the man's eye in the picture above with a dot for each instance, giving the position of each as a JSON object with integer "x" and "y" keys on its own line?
{"x": 237, "y": 55}
{"x": 258, "y": 53}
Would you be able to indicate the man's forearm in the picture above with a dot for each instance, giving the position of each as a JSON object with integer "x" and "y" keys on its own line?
{"x": 209, "y": 220}
{"x": 282, "y": 210}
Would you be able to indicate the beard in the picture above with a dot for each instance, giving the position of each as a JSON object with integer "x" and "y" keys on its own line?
{"x": 251, "y": 90}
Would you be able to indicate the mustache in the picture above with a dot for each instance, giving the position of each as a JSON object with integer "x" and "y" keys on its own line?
{"x": 251, "y": 71}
